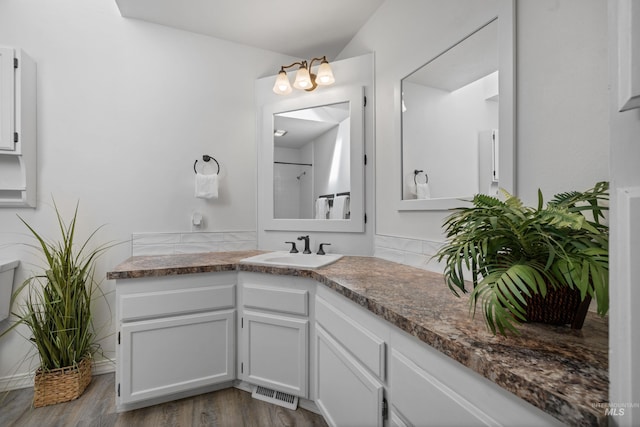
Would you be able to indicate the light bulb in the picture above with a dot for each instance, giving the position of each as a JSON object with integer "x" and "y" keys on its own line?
{"x": 282, "y": 85}
{"x": 303, "y": 79}
{"x": 325, "y": 75}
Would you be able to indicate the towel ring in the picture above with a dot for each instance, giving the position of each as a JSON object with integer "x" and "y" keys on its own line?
{"x": 206, "y": 158}
{"x": 415, "y": 176}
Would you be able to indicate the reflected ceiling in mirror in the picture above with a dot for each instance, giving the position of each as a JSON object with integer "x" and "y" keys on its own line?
{"x": 450, "y": 121}
{"x": 311, "y": 167}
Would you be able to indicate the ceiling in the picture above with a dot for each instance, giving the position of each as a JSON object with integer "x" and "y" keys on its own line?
{"x": 306, "y": 125}
{"x": 300, "y": 28}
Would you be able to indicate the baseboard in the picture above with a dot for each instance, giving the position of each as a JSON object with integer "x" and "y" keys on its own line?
{"x": 25, "y": 380}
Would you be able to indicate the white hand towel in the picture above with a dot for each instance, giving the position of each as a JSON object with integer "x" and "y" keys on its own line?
{"x": 206, "y": 186}
{"x": 322, "y": 208}
{"x": 340, "y": 208}
{"x": 423, "y": 191}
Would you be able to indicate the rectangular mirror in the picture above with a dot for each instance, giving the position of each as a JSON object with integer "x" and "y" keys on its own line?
{"x": 312, "y": 162}
{"x": 456, "y": 120}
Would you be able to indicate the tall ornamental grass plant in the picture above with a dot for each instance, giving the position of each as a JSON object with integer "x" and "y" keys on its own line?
{"x": 57, "y": 307}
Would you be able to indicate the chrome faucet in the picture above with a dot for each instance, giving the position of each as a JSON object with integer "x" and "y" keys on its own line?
{"x": 306, "y": 244}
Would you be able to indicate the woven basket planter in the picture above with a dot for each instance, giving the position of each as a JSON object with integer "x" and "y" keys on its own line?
{"x": 61, "y": 385}
{"x": 560, "y": 306}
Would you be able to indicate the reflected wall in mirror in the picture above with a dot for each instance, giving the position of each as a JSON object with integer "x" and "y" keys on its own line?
{"x": 450, "y": 119}
{"x": 457, "y": 148}
{"x": 311, "y": 167}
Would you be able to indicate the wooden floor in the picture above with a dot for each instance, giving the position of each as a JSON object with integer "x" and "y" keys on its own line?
{"x": 96, "y": 408}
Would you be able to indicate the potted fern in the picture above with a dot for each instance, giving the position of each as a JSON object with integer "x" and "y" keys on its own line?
{"x": 57, "y": 310}
{"x": 540, "y": 264}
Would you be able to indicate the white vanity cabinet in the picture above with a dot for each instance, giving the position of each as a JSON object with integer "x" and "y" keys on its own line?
{"x": 189, "y": 334}
{"x": 176, "y": 337}
{"x": 376, "y": 368}
{"x": 350, "y": 364}
{"x": 17, "y": 128}
{"x": 428, "y": 388}
{"x": 274, "y": 332}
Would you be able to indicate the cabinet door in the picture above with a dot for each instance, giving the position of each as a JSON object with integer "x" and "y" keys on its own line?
{"x": 418, "y": 398}
{"x": 6, "y": 99}
{"x": 275, "y": 352}
{"x": 346, "y": 393}
{"x": 164, "y": 356}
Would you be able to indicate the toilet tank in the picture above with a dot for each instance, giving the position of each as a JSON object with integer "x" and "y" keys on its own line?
{"x": 7, "y": 270}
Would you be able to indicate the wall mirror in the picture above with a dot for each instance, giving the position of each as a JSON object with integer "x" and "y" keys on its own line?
{"x": 312, "y": 162}
{"x": 457, "y": 121}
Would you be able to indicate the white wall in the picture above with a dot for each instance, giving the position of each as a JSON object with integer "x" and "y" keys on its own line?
{"x": 624, "y": 244}
{"x": 561, "y": 69}
{"x": 333, "y": 157}
{"x": 124, "y": 109}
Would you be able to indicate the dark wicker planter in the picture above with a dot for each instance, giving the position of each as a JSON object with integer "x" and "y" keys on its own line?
{"x": 561, "y": 306}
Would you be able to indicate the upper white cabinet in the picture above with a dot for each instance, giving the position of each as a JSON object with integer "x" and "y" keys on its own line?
{"x": 17, "y": 128}
{"x": 7, "y": 80}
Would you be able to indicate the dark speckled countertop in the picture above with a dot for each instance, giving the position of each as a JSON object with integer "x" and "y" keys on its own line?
{"x": 561, "y": 371}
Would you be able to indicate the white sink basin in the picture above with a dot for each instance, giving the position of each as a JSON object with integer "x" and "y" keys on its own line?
{"x": 286, "y": 259}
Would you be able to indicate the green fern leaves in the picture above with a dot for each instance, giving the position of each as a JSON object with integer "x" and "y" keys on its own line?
{"x": 509, "y": 251}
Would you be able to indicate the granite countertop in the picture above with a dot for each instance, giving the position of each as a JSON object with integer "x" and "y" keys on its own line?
{"x": 564, "y": 372}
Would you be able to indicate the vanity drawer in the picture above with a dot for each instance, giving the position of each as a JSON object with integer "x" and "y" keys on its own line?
{"x": 165, "y": 303}
{"x": 281, "y": 300}
{"x": 362, "y": 343}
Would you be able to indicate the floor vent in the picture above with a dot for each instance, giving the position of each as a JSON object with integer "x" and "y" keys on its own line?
{"x": 277, "y": 397}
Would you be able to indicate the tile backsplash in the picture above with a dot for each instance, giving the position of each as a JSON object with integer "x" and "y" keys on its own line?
{"x": 413, "y": 252}
{"x": 192, "y": 242}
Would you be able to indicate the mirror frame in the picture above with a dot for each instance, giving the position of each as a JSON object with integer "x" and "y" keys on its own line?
{"x": 506, "y": 112}
{"x": 355, "y": 97}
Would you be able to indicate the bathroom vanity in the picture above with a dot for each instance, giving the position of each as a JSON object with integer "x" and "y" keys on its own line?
{"x": 389, "y": 339}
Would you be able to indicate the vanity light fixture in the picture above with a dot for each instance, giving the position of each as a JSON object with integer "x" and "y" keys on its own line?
{"x": 305, "y": 79}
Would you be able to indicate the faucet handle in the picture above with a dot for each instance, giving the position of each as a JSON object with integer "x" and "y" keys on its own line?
{"x": 293, "y": 250}
{"x": 321, "y": 250}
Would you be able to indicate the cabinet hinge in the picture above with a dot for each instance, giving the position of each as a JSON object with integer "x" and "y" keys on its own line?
{"x": 365, "y": 218}
{"x": 241, "y": 322}
{"x": 118, "y": 337}
{"x": 118, "y": 389}
{"x": 15, "y": 62}
{"x": 16, "y": 137}
{"x": 365, "y": 102}
{"x": 242, "y": 368}
{"x": 365, "y": 159}
{"x": 385, "y": 409}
